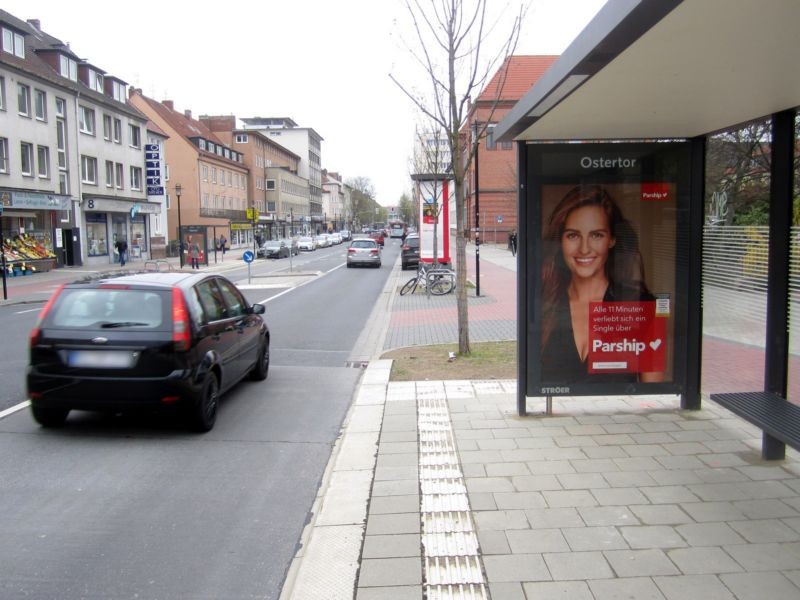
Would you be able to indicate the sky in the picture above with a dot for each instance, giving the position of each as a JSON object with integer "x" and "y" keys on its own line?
{"x": 324, "y": 63}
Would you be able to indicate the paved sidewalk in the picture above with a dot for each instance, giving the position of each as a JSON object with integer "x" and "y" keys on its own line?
{"x": 437, "y": 489}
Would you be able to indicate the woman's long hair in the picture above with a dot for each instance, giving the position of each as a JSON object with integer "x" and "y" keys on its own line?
{"x": 624, "y": 259}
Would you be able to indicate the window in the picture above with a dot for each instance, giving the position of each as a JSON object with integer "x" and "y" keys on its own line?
{"x": 136, "y": 178}
{"x": 202, "y": 144}
{"x": 40, "y": 105}
{"x": 135, "y": 136}
{"x": 230, "y": 179}
{"x": 109, "y": 173}
{"x": 117, "y": 131}
{"x": 26, "y": 158}
{"x": 205, "y": 172}
{"x": 23, "y": 100}
{"x": 86, "y": 116}
{"x": 43, "y": 161}
{"x": 506, "y": 145}
{"x": 88, "y": 169}
{"x": 2, "y": 93}
{"x": 61, "y": 134}
{"x": 96, "y": 81}
{"x": 227, "y": 153}
{"x": 13, "y": 43}
{"x": 3, "y": 155}
{"x": 241, "y": 138}
{"x": 63, "y": 183}
{"x": 68, "y": 68}
{"x": 118, "y": 91}
{"x": 119, "y": 172}
{"x": 270, "y": 184}
{"x": 490, "y": 143}
{"x": 213, "y": 175}
{"x": 107, "y": 127}
{"x": 61, "y": 107}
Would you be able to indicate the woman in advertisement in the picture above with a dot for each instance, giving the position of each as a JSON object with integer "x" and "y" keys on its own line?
{"x": 591, "y": 254}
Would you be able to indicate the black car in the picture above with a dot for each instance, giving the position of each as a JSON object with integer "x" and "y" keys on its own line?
{"x": 409, "y": 253}
{"x": 141, "y": 341}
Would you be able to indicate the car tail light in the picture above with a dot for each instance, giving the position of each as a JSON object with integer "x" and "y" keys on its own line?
{"x": 36, "y": 332}
{"x": 406, "y": 247}
{"x": 351, "y": 250}
{"x": 373, "y": 251}
{"x": 181, "y": 331}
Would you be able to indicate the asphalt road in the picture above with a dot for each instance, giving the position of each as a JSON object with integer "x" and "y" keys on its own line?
{"x": 136, "y": 507}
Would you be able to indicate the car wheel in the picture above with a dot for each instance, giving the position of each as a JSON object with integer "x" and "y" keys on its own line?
{"x": 49, "y": 416}
{"x": 203, "y": 411}
{"x": 261, "y": 368}
{"x": 349, "y": 266}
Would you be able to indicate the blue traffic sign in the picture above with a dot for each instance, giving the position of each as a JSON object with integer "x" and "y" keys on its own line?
{"x": 248, "y": 256}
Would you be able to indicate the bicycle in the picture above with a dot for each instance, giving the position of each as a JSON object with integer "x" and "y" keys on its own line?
{"x": 438, "y": 280}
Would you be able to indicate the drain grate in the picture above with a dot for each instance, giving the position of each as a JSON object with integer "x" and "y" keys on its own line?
{"x": 357, "y": 364}
{"x": 456, "y": 592}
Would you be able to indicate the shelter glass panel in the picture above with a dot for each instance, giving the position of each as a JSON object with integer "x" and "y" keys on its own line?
{"x": 794, "y": 278}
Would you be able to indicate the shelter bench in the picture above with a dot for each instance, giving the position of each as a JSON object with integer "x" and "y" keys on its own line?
{"x": 778, "y": 418}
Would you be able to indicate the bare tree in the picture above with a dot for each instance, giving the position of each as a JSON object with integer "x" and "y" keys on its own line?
{"x": 449, "y": 45}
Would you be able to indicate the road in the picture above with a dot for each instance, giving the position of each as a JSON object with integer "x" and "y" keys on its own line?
{"x": 136, "y": 507}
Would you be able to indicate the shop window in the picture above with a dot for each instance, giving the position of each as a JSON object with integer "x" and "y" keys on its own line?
{"x": 96, "y": 234}
{"x": 138, "y": 236}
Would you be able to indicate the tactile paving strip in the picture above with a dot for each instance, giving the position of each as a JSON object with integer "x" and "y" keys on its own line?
{"x": 453, "y": 569}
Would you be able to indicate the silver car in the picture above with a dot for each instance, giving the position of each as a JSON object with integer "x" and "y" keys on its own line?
{"x": 364, "y": 252}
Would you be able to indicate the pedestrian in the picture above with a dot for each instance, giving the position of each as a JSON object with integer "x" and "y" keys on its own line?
{"x": 194, "y": 253}
{"x": 222, "y": 242}
{"x": 122, "y": 249}
{"x": 512, "y": 242}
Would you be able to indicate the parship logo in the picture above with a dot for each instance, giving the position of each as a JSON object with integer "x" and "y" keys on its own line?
{"x": 603, "y": 162}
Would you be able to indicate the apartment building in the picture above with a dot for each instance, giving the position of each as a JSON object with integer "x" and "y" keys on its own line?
{"x": 280, "y": 194}
{"x": 72, "y": 178}
{"x": 496, "y": 190}
{"x": 306, "y": 143}
{"x": 211, "y": 176}
{"x": 334, "y": 208}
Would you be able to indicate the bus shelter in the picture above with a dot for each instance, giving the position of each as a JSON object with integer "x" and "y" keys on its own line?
{"x": 657, "y": 164}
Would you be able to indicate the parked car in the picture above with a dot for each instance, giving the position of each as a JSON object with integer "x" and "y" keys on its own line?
{"x": 363, "y": 252}
{"x": 322, "y": 240}
{"x": 306, "y": 243}
{"x": 336, "y": 237}
{"x": 409, "y": 252}
{"x": 273, "y": 249}
{"x": 145, "y": 340}
{"x": 346, "y": 235}
{"x": 379, "y": 236}
{"x": 293, "y": 246}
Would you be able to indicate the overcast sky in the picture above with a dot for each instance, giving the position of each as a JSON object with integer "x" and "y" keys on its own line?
{"x": 324, "y": 63}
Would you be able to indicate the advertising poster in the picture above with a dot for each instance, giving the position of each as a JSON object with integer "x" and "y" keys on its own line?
{"x": 608, "y": 274}
{"x": 434, "y": 198}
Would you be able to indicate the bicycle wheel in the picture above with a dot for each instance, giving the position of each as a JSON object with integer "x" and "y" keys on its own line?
{"x": 441, "y": 285}
{"x": 408, "y": 286}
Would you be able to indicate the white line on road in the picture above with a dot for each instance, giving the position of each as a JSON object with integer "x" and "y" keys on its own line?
{"x": 10, "y": 411}
{"x": 22, "y": 312}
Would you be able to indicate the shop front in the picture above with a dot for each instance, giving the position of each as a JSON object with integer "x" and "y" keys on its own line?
{"x": 108, "y": 221}
{"x": 31, "y": 229}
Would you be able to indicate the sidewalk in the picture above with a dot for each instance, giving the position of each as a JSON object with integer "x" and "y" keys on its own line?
{"x": 437, "y": 489}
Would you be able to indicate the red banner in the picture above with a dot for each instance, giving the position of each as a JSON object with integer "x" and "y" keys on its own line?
{"x": 626, "y": 337}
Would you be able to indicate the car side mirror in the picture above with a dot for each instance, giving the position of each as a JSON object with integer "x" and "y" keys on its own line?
{"x": 258, "y": 309}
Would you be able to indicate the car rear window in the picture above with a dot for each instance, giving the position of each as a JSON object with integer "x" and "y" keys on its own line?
{"x": 111, "y": 308}
{"x": 412, "y": 242}
{"x": 363, "y": 244}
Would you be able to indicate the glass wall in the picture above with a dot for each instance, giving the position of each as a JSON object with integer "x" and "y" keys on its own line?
{"x": 735, "y": 245}
{"x": 794, "y": 278}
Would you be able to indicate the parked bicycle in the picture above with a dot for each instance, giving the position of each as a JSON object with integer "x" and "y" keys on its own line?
{"x": 438, "y": 280}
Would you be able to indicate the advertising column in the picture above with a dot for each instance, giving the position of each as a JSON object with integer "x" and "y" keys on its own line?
{"x": 434, "y": 208}
{"x": 609, "y": 275}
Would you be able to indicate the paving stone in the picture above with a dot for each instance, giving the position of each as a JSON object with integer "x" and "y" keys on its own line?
{"x": 640, "y": 563}
{"x": 550, "y": 467}
{"x": 391, "y": 546}
{"x": 595, "y": 516}
{"x": 682, "y": 587}
{"x": 605, "y": 452}
{"x": 567, "y": 566}
{"x": 499, "y": 520}
{"x": 494, "y": 444}
{"x": 482, "y": 501}
{"x": 757, "y": 586}
{"x": 637, "y": 463}
{"x": 407, "y": 459}
{"x": 691, "y": 436}
{"x": 765, "y": 531}
{"x": 536, "y": 442}
{"x": 506, "y": 469}
{"x": 493, "y": 542}
{"x": 629, "y": 479}
{"x": 533, "y": 483}
{"x": 727, "y": 459}
{"x": 561, "y": 499}
{"x": 713, "y": 511}
{"x": 488, "y": 484}
{"x": 619, "y": 496}
{"x": 393, "y": 524}
{"x": 765, "y": 509}
{"x": 585, "y": 430}
{"x": 747, "y": 490}
{"x": 480, "y": 457}
{"x": 394, "y": 504}
{"x": 395, "y": 473}
{"x": 720, "y": 475}
{"x": 506, "y": 591}
{"x": 543, "y": 518}
{"x": 519, "y": 500}
{"x": 676, "y": 476}
{"x": 582, "y": 481}
{"x": 408, "y": 592}
{"x": 594, "y": 538}
{"x": 558, "y": 590}
{"x": 645, "y": 449}
{"x": 575, "y": 442}
{"x": 515, "y": 568}
{"x": 668, "y": 494}
{"x": 533, "y": 541}
{"x": 763, "y": 472}
{"x": 397, "y": 447}
{"x": 640, "y": 588}
{"x": 375, "y": 572}
{"x": 594, "y": 465}
{"x": 680, "y": 462}
{"x": 660, "y": 514}
{"x": 766, "y": 557}
{"x": 398, "y": 436}
{"x": 473, "y": 470}
{"x": 698, "y": 561}
{"x": 652, "y": 536}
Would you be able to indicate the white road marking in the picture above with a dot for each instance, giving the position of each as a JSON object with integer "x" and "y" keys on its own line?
{"x": 10, "y": 411}
{"x": 22, "y": 312}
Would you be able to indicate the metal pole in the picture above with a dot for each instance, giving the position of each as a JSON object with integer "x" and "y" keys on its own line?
{"x": 178, "y": 190}
{"x": 477, "y": 220}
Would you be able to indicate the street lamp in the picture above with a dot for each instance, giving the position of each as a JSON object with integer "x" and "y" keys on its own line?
{"x": 178, "y": 190}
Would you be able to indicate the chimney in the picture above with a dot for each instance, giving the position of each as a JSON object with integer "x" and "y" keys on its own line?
{"x": 187, "y": 113}
{"x": 35, "y": 23}
{"x": 169, "y": 104}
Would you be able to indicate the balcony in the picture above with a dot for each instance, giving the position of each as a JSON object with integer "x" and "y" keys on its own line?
{"x": 224, "y": 213}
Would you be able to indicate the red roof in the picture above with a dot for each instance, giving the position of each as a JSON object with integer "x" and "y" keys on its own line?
{"x": 523, "y": 72}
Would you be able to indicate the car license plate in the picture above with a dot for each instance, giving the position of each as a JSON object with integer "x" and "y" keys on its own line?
{"x": 101, "y": 359}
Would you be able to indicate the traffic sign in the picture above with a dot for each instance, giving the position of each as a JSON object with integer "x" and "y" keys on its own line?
{"x": 499, "y": 218}
{"x": 248, "y": 256}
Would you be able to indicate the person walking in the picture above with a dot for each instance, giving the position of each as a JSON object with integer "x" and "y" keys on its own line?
{"x": 222, "y": 242}
{"x": 512, "y": 242}
{"x": 194, "y": 253}
{"x": 122, "y": 249}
